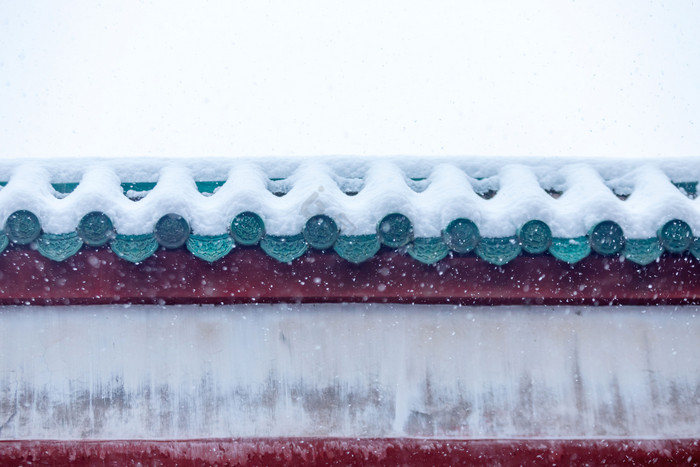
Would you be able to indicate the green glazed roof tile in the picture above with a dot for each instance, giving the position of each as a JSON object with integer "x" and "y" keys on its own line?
{"x": 689, "y": 188}
{"x": 4, "y": 241}
{"x": 535, "y": 237}
{"x": 357, "y": 248}
{"x": 134, "y": 248}
{"x": 171, "y": 231}
{"x": 416, "y": 204}
{"x": 138, "y": 187}
{"x": 461, "y": 235}
{"x": 321, "y": 232}
{"x": 59, "y": 247}
{"x": 210, "y": 186}
{"x": 95, "y": 228}
{"x": 210, "y": 248}
{"x": 428, "y": 250}
{"x": 675, "y": 236}
{"x": 642, "y": 251}
{"x": 606, "y": 238}
{"x": 247, "y": 228}
{"x": 498, "y": 251}
{"x": 395, "y": 230}
{"x": 64, "y": 188}
{"x": 571, "y": 250}
{"x": 695, "y": 248}
{"x": 284, "y": 248}
{"x": 22, "y": 227}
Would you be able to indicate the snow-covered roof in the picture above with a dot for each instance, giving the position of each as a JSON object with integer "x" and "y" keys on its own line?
{"x": 497, "y": 210}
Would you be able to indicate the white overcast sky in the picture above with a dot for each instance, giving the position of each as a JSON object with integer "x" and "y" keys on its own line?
{"x": 265, "y": 78}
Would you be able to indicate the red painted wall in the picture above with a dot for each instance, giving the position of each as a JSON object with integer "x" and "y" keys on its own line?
{"x": 341, "y": 451}
{"x": 248, "y": 275}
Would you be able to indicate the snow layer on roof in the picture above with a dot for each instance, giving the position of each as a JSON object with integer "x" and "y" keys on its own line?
{"x": 451, "y": 189}
{"x": 615, "y": 171}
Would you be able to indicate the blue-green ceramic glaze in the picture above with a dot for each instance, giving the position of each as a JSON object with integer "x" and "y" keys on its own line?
{"x": 284, "y": 248}
{"x": 247, "y": 228}
{"x": 498, "y": 251}
{"x": 59, "y": 247}
{"x": 428, "y": 250}
{"x": 357, "y": 248}
{"x": 675, "y": 236}
{"x": 210, "y": 248}
{"x": 22, "y": 227}
{"x": 95, "y": 228}
{"x": 570, "y": 250}
{"x": 535, "y": 237}
{"x": 321, "y": 232}
{"x": 642, "y": 251}
{"x": 606, "y": 238}
{"x": 395, "y": 230}
{"x": 134, "y": 248}
{"x": 171, "y": 231}
{"x": 461, "y": 235}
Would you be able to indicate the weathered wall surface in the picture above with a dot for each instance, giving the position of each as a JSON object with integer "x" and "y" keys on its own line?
{"x": 148, "y": 372}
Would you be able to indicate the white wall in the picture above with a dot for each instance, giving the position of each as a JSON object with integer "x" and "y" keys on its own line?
{"x": 348, "y": 370}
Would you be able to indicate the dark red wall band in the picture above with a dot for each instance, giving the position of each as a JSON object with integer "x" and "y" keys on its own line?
{"x": 347, "y": 451}
{"x": 246, "y": 275}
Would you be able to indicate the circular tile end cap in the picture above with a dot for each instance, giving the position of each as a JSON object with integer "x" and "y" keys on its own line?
{"x": 247, "y": 228}
{"x": 675, "y": 236}
{"x": 395, "y": 230}
{"x": 461, "y": 235}
{"x": 96, "y": 228}
{"x": 321, "y": 232}
{"x": 535, "y": 237}
{"x": 606, "y": 238}
{"x": 172, "y": 231}
{"x": 22, "y": 227}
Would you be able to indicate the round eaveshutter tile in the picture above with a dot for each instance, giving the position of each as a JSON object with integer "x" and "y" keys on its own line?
{"x": 428, "y": 250}
{"x": 172, "y": 231}
{"x": 134, "y": 248}
{"x": 95, "y": 228}
{"x": 642, "y": 251}
{"x": 535, "y": 237}
{"x": 321, "y": 232}
{"x": 357, "y": 248}
{"x": 284, "y": 248}
{"x": 461, "y": 235}
{"x": 571, "y": 250}
{"x": 210, "y": 247}
{"x": 247, "y": 228}
{"x": 22, "y": 227}
{"x": 607, "y": 238}
{"x": 675, "y": 236}
{"x": 395, "y": 230}
{"x": 498, "y": 250}
{"x": 59, "y": 247}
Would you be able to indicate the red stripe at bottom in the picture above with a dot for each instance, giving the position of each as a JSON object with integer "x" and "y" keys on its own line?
{"x": 349, "y": 451}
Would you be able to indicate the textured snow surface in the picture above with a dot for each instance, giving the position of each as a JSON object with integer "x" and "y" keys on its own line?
{"x": 431, "y": 194}
{"x": 148, "y": 372}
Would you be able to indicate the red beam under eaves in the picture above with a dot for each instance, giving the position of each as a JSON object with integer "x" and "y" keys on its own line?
{"x": 350, "y": 451}
{"x": 98, "y": 276}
